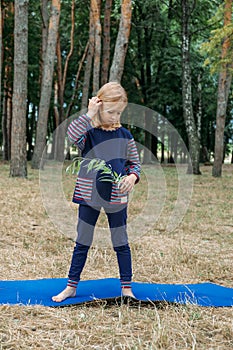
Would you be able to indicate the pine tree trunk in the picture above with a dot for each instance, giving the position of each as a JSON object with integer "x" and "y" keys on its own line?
{"x": 30, "y": 130}
{"x": 199, "y": 106}
{"x": 5, "y": 155}
{"x": 44, "y": 39}
{"x": 1, "y": 56}
{"x": 149, "y": 114}
{"x": 46, "y": 88}
{"x": 223, "y": 92}
{"x": 55, "y": 108}
{"x": 45, "y": 28}
{"x": 224, "y": 84}
{"x": 121, "y": 46}
{"x": 62, "y": 87}
{"x": 7, "y": 85}
{"x": 18, "y": 165}
{"x": 75, "y": 89}
{"x": 97, "y": 50}
{"x": 194, "y": 144}
{"x": 59, "y": 87}
{"x": 148, "y": 139}
{"x": 60, "y": 133}
{"x": 106, "y": 42}
{"x": 154, "y": 139}
{"x": 7, "y": 113}
{"x": 163, "y": 126}
{"x": 88, "y": 66}
{"x": 2, "y": 112}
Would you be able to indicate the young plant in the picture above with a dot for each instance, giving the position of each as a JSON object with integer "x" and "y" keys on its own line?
{"x": 106, "y": 172}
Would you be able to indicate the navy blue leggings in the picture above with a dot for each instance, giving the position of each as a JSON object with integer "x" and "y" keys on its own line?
{"x": 86, "y": 224}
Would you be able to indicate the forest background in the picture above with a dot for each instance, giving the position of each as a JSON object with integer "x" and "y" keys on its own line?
{"x": 173, "y": 57}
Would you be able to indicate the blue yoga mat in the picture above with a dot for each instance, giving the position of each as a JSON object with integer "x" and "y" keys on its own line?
{"x": 39, "y": 292}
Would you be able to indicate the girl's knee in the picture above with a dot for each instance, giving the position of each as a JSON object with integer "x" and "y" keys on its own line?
{"x": 122, "y": 248}
{"x": 81, "y": 247}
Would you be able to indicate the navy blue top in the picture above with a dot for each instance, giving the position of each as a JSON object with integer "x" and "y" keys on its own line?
{"x": 116, "y": 147}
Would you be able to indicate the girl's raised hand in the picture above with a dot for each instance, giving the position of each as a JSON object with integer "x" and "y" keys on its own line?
{"x": 93, "y": 106}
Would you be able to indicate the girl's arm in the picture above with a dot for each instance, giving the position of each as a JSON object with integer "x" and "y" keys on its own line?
{"x": 133, "y": 163}
{"x": 77, "y": 130}
{"x": 132, "y": 168}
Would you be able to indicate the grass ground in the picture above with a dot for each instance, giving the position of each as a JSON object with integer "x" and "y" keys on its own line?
{"x": 198, "y": 250}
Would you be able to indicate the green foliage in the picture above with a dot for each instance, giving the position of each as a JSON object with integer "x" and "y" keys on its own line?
{"x": 212, "y": 48}
{"x": 96, "y": 165}
{"x": 160, "y": 88}
{"x": 153, "y": 70}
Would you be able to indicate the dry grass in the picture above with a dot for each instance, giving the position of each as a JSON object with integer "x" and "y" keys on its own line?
{"x": 199, "y": 250}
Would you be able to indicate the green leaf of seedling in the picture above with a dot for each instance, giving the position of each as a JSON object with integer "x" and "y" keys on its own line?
{"x": 100, "y": 165}
{"x": 68, "y": 169}
{"x": 90, "y": 165}
{"x": 74, "y": 167}
{"x": 107, "y": 172}
{"x": 95, "y": 165}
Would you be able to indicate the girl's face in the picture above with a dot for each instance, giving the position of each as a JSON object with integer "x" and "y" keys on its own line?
{"x": 110, "y": 112}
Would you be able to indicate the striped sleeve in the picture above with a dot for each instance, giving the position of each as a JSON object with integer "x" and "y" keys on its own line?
{"x": 133, "y": 163}
{"x": 77, "y": 130}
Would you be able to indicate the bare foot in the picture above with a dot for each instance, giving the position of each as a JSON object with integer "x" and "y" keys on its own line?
{"x": 128, "y": 292}
{"x": 68, "y": 292}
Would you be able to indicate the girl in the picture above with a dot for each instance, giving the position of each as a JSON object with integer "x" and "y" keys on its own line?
{"x": 99, "y": 135}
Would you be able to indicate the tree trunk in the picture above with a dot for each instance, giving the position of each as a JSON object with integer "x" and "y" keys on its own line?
{"x": 121, "y": 46}
{"x": 106, "y": 42}
{"x": 149, "y": 114}
{"x": 9, "y": 121}
{"x": 56, "y": 103}
{"x": 4, "y": 119}
{"x": 163, "y": 127}
{"x": 154, "y": 139}
{"x": 45, "y": 28}
{"x": 8, "y": 12}
{"x": 174, "y": 147}
{"x": 194, "y": 144}
{"x": 74, "y": 95}
{"x": 199, "y": 106}
{"x": 224, "y": 84}
{"x": 90, "y": 54}
{"x": 18, "y": 165}
{"x": 148, "y": 139}
{"x": 7, "y": 113}
{"x": 5, "y": 155}
{"x": 60, "y": 82}
{"x": 71, "y": 44}
{"x": 46, "y": 88}
{"x": 60, "y": 134}
{"x": 59, "y": 88}
{"x": 1, "y": 51}
{"x": 30, "y": 130}
{"x": 97, "y": 51}
{"x": 140, "y": 49}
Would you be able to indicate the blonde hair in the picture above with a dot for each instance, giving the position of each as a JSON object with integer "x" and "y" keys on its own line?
{"x": 110, "y": 92}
